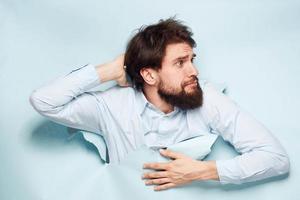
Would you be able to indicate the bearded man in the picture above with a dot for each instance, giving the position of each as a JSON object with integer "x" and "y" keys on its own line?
{"x": 159, "y": 102}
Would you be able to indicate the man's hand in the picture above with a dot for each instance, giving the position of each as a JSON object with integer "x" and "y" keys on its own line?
{"x": 182, "y": 170}
{"x": 114, "y": 70}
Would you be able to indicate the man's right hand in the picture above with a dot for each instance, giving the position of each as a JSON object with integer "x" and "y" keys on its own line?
{"x": 113, "y": 70}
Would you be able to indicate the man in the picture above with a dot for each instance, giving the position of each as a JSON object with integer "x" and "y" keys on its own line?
{"x": 165, "y": 105}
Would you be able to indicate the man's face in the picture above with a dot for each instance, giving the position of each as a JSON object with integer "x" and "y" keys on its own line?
{"x": 178, "y": 82}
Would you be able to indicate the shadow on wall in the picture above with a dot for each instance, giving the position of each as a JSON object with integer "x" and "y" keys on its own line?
{"x": 54, "y": 137}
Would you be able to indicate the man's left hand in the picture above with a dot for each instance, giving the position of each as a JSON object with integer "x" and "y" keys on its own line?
{"x": 179, "y": 171}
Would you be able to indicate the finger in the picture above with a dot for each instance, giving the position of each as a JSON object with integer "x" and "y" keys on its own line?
{"x": 164, "y": 186}
{"x": 156, "y": 166}
{"x": 158, "y": 181}
{"x": 171, "y": 154}
{"x": 155, "y": 175}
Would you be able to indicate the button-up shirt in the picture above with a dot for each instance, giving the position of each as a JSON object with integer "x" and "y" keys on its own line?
{"x": 126, "y": 120}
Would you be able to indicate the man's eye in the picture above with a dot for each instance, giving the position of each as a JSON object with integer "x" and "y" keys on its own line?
{"x": 180, "y": 63}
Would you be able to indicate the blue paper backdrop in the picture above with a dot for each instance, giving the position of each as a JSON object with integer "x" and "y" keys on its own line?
{"x": 252, "y": 46}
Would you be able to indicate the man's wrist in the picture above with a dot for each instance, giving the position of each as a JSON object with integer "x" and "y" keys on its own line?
{"x": 106, "y": 72}
{"x": 207, "y": 170}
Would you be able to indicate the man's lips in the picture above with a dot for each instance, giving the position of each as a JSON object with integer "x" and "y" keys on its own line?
{"x": 194, "y": 82}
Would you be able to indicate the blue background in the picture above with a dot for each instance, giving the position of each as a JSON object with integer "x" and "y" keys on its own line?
{"x": 251, "y": 46}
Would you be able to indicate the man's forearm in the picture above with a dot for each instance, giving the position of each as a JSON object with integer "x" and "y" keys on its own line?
{"x": 106, "y": 72}
{"x": 57, "y": 93}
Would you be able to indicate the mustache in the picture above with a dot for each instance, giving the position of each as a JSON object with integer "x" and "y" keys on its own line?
{"x": 193, "y": 79}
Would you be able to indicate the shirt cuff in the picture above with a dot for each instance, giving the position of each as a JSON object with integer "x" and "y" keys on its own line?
{"x": 86, "y": 76}
{"x": 228, "y": 171}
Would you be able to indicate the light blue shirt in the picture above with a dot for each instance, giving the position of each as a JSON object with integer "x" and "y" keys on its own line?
{"x": 126, "y": 120}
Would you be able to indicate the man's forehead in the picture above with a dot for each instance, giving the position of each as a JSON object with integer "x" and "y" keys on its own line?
{"x": 174, "y": 51}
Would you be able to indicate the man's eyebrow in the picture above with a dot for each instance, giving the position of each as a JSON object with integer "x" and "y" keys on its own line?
{"x": 184, "y": 57}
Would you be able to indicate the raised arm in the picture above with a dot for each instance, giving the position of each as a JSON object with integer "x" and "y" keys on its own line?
{"x": 67, "y": 99}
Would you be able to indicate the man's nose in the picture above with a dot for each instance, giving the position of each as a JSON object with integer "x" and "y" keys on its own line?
{"x": 193, "y": 71}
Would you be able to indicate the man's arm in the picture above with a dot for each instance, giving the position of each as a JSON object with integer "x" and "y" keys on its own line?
{"x": 262, "y": 155}
{"x": 66, "y": 100}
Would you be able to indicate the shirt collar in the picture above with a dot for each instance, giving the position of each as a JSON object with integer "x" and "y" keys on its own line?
{"x": 143, "y": 103}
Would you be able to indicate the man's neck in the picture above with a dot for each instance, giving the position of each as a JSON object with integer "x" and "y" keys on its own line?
{"x": 153, "y": 97}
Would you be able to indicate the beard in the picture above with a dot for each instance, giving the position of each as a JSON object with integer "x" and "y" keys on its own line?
{"x": 182, "y": 99}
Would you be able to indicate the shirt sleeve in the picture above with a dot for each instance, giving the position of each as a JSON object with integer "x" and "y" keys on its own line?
{"x": 66, "y": 100}
{"x": 261, "y": 154}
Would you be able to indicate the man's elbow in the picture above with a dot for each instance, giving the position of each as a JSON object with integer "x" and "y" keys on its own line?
{"x": 283, "y": 166}
{"x": 37, "y": 103}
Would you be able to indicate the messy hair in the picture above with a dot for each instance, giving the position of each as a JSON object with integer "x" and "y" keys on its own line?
{"x": 147, "y": 47}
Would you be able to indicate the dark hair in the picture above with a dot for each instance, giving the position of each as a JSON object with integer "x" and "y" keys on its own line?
{"x": 147, "y": 47}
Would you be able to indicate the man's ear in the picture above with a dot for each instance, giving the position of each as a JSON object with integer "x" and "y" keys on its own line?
{"x": 149, "y": 75}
